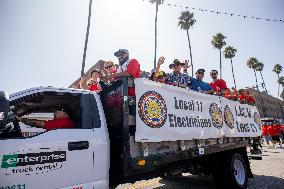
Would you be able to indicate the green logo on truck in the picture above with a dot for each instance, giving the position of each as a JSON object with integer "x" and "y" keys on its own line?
{"x": 17, "y": 160}
{"x": 9, "y": 161}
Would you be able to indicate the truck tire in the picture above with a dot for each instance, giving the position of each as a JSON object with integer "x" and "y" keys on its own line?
{"x": 232, "y": 172}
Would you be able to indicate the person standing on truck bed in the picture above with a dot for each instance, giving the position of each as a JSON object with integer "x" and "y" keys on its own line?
{"x": 93, "y": 83}
{"x": 176, "y": 78}
{"x": 62, "y": 114}
{"x": 199, "y": 85}
{"x": 218, "y": 85}
{"x": 127, "y": 68}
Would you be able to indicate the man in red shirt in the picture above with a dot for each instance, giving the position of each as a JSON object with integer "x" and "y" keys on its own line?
{"x": 265, "y": 134}
{"x": 218, "y": 85}
{"x": 274, "y": 132}
{"x": 242, "y": 96}
{"x": 61, "y": 119}
{"x": 250, "y": 98}
{"x": 127, "y": 68}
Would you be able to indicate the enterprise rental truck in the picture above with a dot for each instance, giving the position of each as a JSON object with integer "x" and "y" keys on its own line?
{"x": 162, "y": 131}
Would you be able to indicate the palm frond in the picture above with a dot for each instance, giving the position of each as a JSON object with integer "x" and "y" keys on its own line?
{"x": 277, "y": 68}
{"x": 218, "y": 41}
{"x": 229, "y": 52}
{"x": 186, "y": 20}
{"x": 259, "y": 66}
{"x": 252, "y": 63}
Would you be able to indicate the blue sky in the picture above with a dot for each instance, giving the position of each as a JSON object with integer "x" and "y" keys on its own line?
{"x": 41, "y": 42}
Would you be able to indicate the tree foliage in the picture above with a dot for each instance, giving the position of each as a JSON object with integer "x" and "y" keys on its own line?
{"x": 186, "y": 20}
{"x": 252, "y": 63}
{"x": 282, "y": 94}
{"x": 218, "y": 41}
{"x": 277, "y": 68}
{"x": 229, "y": 52}
{"x": 259, "y": 67}
{"x": 281, "y": 81}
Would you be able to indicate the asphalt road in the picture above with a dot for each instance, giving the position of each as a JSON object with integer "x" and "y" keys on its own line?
{"x": 268, "y": 174}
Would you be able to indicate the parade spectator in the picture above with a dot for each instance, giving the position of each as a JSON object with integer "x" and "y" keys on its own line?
{"x": 153, "y": 76}
{"x": 155, "y": 72}
{"x": 242, "y": 96}
{"x": 234, "y": 94}
{"x": 282, "y": 133}
{"x": 110, "y": 67}
{"x": 250, "y": 98}
{"x": 177, "y": 78}
{"x": 218, "y": 85}
{"x": 227, "y": 93}
{"x": 127, "y": 68}
{"x": 161, "y": 77}
{"x": 93, "y": 83}
{"x": 265, "y": 134}
{"x": 274, "y": 133}
{"x": 199, "y": 85}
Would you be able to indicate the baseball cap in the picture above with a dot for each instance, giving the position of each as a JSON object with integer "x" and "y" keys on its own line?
{"x": 200, "y": 70}
{"x": 64, "y": 108}
{"x": 120, "y": 52}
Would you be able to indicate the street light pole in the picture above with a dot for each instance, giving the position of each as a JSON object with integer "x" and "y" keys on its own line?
{"x": 87, "y": 38}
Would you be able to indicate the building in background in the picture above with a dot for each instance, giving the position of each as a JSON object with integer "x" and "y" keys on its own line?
{"x": 268, "y": 106}
{"x": 99, "y": 65}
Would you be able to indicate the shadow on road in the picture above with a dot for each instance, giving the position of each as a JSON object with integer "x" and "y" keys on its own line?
{"x": 188, "y": 182}
{"x": 266, "y": 182}
{"x": 197, "y": 182}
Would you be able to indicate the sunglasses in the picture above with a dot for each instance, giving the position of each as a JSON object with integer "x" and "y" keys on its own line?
{"x": 107, "y": 67}
{"x": 213, "y": 74}
{"x": 200, "y": 73}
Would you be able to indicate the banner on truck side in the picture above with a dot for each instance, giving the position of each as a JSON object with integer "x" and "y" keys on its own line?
{"x": 169, "y": 113}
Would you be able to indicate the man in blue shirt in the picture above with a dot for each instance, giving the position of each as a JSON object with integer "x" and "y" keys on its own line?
{"x": 198, "y": 85}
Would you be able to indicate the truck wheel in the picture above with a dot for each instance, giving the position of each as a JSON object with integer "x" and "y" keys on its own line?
{"x": 232, "y": 172}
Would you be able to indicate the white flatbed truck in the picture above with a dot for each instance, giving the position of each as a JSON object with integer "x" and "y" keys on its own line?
{"x": 102, "y": 151}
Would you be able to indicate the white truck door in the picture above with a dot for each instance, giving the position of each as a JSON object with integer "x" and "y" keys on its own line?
{"x": 62, "y": 158}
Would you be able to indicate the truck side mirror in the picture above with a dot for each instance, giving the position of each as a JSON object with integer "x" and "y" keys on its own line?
{"x": 4, "y": 108}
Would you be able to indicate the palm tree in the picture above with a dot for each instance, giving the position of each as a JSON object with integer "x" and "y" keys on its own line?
{"x": 86, "y": 39}
{"x": 278, "y": 69}
{"x": 259, "y": 68}
{"x": 157, "y": 2}
{"x": 218, "y": 42}
{"x": 186, "y": 21}
{"x": 281, "y": 81}
{"x": 230, "y": 53}
{"x": 282, "y": 94}
{"x": 252, "y": 64}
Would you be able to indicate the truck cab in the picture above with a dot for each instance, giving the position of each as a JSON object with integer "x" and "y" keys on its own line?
{"x": 60, "y": 158}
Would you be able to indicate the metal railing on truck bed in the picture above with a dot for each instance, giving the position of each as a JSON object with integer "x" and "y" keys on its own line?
{"x": 129, "y": 157}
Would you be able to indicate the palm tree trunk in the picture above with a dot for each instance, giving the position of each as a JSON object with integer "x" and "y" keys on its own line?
{"x": 278, "y": 86}
{"x": 189, "y": 45}
{"x": 220, "y": 64}
{"x": 263, "y": 81}
{"x": 233, "y": 73}
{"x": 156, "y": 20}
{"x": 256, "y": 79}
{"x": 86, "y": 39}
